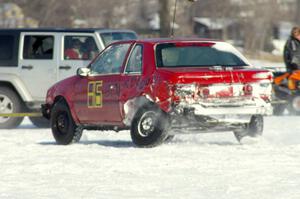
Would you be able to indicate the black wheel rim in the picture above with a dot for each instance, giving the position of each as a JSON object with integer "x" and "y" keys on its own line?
{"x": 147, "y": 124}
{"x": 62, "y": 123}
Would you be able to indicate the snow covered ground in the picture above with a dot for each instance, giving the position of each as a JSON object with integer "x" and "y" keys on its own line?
{"x": 107, "y": 165}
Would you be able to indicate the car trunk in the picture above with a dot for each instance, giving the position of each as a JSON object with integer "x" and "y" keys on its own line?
{"x": 209, "y": 82}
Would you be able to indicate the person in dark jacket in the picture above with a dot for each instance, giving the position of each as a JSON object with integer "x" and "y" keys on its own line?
{"x": 291, "y": 52}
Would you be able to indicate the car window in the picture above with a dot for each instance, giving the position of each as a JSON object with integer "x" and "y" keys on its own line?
{"x": 38, "y": 47}
{"x": 111, "y": 60}
{"x": 80, "y": 48}
{"x": 7, "y": 45}
{"x": 110, "y": 37}
{"x": 193, "y": 55}
{"x": 134, "y": 64}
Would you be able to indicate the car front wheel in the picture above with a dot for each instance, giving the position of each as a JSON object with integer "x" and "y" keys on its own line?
{"x": 64, "y": 129}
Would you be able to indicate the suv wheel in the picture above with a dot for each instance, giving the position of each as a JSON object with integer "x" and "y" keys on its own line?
{"x": 64, "y": 129}
{"x": 40, "y": 122}
{"x": 253, "y": 129}
{"x": 149, "y": 127}
{"x": 9, "y": 103}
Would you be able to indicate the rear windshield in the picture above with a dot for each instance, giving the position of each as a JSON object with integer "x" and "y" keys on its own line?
{"x": 110, "y": 37}
{"x": 196, "y": 54}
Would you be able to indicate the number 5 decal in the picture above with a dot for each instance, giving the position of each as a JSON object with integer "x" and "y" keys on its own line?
{"x": 94, "y": 94}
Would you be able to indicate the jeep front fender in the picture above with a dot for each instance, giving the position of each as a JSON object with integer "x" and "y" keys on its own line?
{"x": 15, "y": 81}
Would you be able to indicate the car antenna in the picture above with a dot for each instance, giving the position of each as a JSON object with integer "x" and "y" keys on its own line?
{"x": 174, "y": 17}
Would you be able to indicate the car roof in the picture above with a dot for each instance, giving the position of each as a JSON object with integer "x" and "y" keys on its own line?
{"x": 154, "y": 41}
{"x": 85, "y": 30}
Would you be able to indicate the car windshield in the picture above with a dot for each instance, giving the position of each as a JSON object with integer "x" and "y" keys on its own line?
{"x": 110, "y": 37}
{"x": 198, "y": 54}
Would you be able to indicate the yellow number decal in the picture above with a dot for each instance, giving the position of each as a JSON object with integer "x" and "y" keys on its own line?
{"x": 94, "y": 94}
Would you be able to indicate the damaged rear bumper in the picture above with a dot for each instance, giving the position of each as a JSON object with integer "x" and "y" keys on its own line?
{"x": 215, "y": 117}
{"x": 238, "y": 106}
{"x": 239, "y": 110}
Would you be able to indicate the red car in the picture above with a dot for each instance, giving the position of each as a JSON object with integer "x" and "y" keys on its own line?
{"x": 160, "y": 87}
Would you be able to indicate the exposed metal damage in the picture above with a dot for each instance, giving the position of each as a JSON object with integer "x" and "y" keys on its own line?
{"x": 218, "y": 107}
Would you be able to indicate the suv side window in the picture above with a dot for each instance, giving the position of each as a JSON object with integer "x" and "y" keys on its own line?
{"x": 111, "y": 60}
{"x": 7, "y": 45}
{"x": 38, "y": 47}
{"x": 134, "y": 64}
{"x": 80, "y": 48}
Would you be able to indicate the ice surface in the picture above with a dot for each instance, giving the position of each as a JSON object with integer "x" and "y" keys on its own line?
{"x": 108, "y": 165}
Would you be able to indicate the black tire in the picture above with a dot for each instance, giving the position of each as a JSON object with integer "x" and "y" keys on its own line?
{"x": 149, "y": 127}
{"x": 253, "y": 129}
{"x": 40, "y": 122}
{"x": 64, "y": 129}
{"x": 278, "y": 109}
{"x": 10, "y": 103}
{"x": 294, "y": 105}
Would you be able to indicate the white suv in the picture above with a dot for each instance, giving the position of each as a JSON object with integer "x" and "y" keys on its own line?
{"x": 31, "y": 60}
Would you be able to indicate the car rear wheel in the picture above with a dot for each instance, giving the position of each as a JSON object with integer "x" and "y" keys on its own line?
{"x": 64, "y": 129}
{"x": 149, "y": 127}
{"x": 9, "y": 103}
{"x": 253, "y": 129}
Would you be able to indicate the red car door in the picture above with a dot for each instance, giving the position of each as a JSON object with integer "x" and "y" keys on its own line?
{"x": 96, "y": 99}
{"x": 132, "y": 75}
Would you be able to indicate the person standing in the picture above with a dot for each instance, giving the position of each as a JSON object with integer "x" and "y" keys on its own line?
{"x": 291, "y": 53}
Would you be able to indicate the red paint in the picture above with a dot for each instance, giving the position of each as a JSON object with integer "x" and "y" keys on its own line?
{"x": 158, "y": 84}
{"x": 203, "y": 44}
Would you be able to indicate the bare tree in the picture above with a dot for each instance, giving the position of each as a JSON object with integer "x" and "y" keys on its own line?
{"x": 184, "y": 18}
{"x": 164, "y": 13}
{"x": 297, "y": 11}
{"x": 258, "y": 24}
{"x": 49, "y": 13}
{"x": 255, "y": 18}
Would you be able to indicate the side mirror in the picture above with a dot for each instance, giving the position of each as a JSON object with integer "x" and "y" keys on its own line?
{"x": 83, "y": 72}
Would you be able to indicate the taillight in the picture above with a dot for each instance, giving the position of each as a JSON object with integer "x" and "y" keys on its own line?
{"x": 204, "y": 92}
{"x": 248, "y": 89}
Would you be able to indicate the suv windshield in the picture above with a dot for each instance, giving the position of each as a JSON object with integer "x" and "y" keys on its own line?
{"x": 110, "y": 37}
{"x": 198, "y": 54}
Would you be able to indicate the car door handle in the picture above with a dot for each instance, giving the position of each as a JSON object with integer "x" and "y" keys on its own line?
{"x": 65, "y": 67}
{"x": 29, "y": 67}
